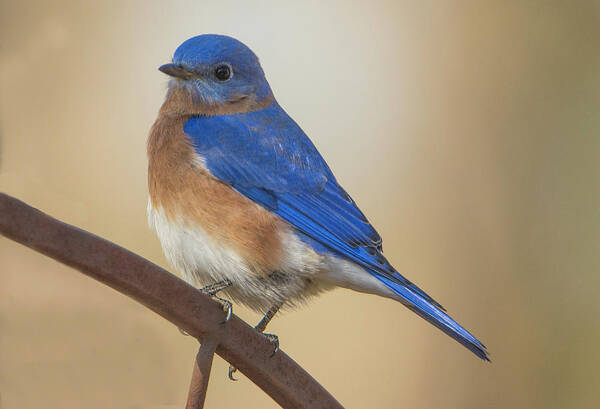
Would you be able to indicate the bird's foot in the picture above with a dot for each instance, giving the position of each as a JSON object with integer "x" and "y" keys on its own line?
{"x": 227, "y": 307}
{"x": 274, "y": 339}
{"x": 260, "y": 327}
{"x": 213, "y": 289}
{"x": 232, "y": 370}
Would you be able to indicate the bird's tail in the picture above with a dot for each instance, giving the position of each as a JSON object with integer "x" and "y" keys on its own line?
{"x": 436, "y": 316}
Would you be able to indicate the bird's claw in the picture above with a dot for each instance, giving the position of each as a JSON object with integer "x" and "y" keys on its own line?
{"x": 213, "y": 289}
{"x": 275, "y": 340}
{"x": 272, "y": 338}
{"x": 227, "y": 307}
{"x": 232, "y": 370}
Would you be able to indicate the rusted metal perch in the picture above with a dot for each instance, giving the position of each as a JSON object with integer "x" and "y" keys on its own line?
{"x": 180, "y": 303}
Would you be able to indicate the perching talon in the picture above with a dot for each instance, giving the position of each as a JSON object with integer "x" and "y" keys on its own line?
{"x": 232, "y": 370}
{"x": 227, "y": 307}
{"x": 275, "y": 340}
{"x": 213, "y": 289}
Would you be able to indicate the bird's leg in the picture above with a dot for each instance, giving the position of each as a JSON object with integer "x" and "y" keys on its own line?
{"x": 260, "y": 327}
{"x": 212, "y": 290}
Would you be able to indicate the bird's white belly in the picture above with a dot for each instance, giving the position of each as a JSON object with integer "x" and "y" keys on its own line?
{"x": 195, "y": 255}
{"x": 201, "y": 260}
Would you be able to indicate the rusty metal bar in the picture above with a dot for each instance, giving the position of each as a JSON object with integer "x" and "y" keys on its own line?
{"x": 200, "y": 374}
{"x": 180, "y": 303}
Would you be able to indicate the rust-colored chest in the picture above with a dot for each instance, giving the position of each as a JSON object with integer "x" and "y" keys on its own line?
{"x": 183, "y": 189}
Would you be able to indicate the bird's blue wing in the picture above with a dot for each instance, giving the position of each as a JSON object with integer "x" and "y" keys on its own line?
{"x": 266, "y": 157}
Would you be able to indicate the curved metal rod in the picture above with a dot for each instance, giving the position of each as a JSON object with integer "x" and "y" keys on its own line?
{"x": 180, "y": 303}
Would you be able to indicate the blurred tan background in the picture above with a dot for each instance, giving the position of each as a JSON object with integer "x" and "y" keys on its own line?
{"x": 468, "y": 132}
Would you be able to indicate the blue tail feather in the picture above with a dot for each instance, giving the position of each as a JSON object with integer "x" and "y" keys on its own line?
{"x": 437, "y": 317}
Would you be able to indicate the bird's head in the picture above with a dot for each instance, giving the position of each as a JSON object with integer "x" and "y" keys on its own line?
{"x": 217, "y": 71}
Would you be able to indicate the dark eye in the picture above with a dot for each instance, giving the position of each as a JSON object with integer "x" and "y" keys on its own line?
{"x": 223, "y": 72}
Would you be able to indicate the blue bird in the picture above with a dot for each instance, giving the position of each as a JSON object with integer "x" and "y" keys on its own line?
{"x": 243, "y": 202}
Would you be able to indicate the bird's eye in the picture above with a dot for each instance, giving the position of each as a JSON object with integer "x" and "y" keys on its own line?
{"x": 223, "y": 72}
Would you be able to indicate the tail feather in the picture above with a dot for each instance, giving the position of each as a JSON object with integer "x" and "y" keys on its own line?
{"x": 437, "y": 317}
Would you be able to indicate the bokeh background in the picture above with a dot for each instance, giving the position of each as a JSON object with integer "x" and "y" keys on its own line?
{"x": 467, "y": 131}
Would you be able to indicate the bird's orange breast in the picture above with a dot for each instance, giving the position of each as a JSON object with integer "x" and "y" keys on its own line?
{"x": 187, "y": 193}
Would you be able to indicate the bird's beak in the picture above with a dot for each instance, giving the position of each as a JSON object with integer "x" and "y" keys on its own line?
{"x": 176, "y": 71}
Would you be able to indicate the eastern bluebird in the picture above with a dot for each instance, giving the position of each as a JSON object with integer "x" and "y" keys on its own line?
{"x": 240, "y": 196}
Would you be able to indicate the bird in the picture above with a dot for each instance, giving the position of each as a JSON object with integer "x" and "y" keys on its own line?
{"x": 245, "y": 206}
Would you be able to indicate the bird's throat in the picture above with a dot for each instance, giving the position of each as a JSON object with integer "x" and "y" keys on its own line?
{"x": 181, "y": 102}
